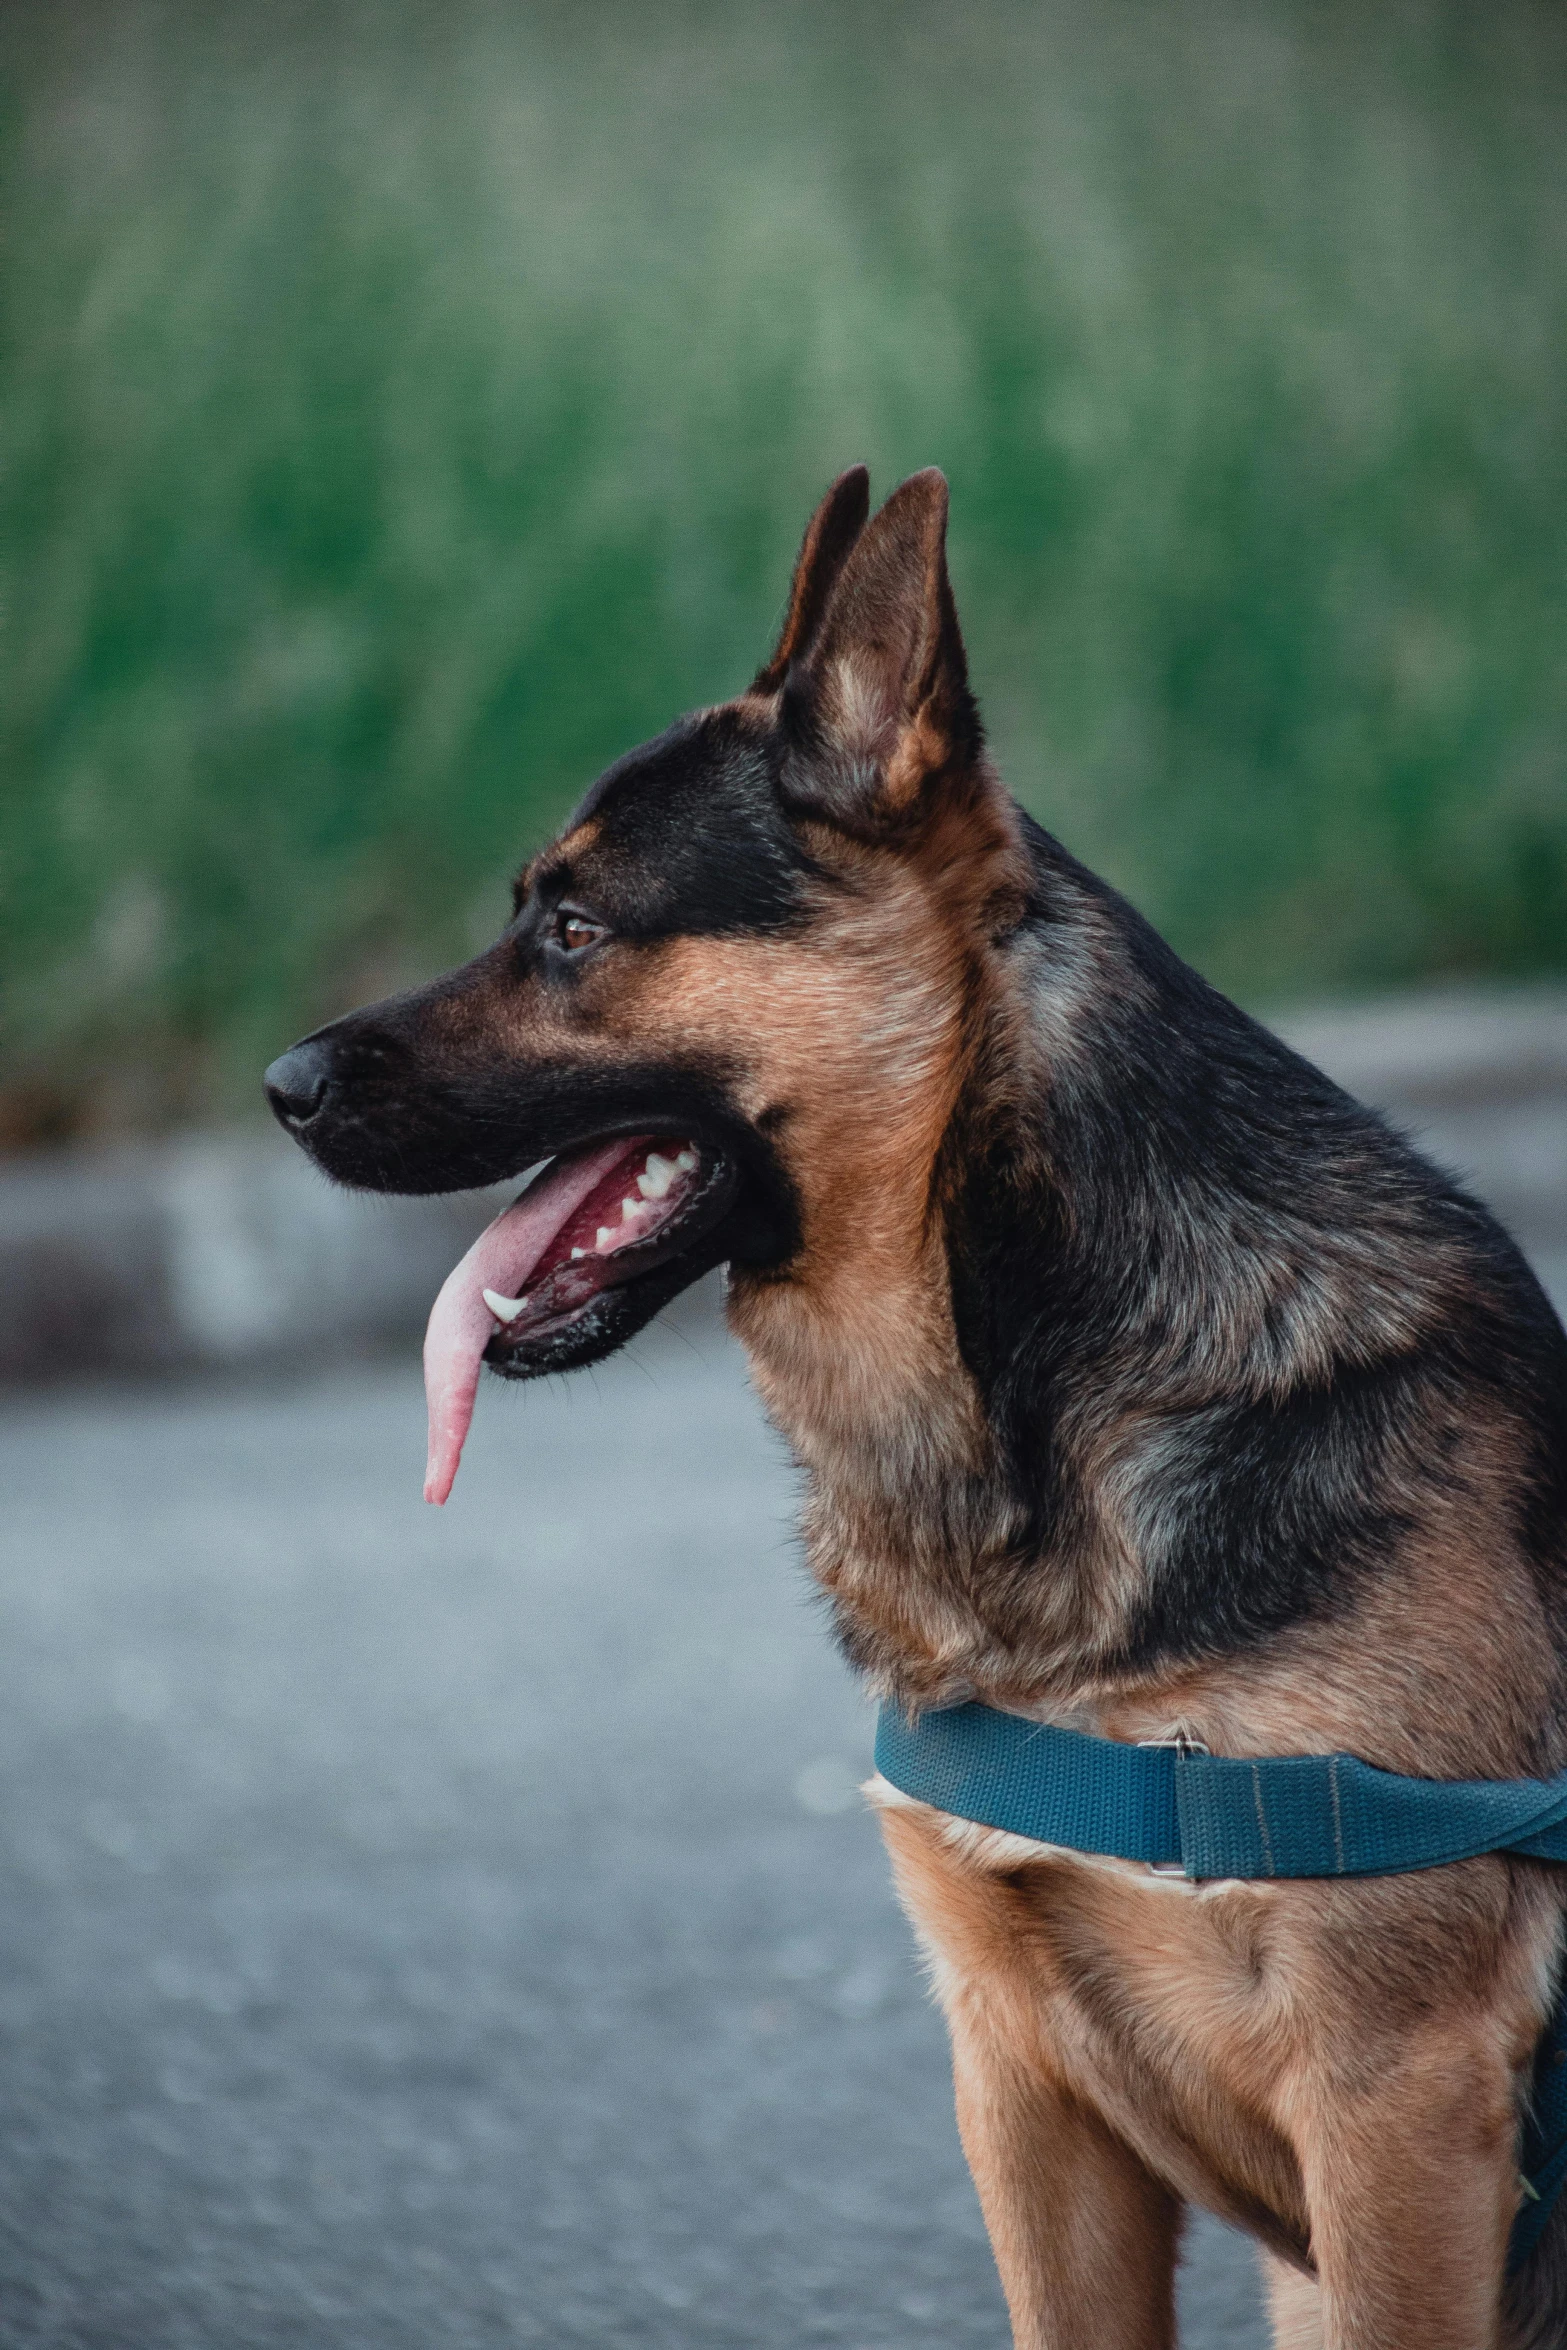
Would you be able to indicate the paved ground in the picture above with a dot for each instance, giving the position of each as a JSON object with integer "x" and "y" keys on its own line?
{"x": 426, "y": 1930}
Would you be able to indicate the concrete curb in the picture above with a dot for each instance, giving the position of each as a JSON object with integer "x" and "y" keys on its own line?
{"x": 210, "y": 1250}
{"x": 228, "y": 1250}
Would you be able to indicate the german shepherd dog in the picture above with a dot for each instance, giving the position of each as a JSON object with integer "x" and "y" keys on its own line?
{"x": 1142, "y": 1381}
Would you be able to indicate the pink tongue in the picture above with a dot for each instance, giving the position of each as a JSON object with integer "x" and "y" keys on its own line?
{"x": 502, "y": 1258}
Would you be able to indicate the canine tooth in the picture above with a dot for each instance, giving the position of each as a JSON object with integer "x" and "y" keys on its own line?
{"x": 606, "y": 1238}
{"x": 685, "y": 1161}
{"x": 505, "y": 1309}
{"x": 656, "y": 1177}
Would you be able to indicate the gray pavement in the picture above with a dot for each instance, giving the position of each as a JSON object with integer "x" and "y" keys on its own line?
{"x": 446, "y": 1929}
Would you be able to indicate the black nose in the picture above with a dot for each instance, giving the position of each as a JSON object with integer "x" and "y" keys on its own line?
{"x": 298, "y": 1080}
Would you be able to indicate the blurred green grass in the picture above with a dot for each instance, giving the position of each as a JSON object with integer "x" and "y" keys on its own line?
{"x": 408, "y": 407}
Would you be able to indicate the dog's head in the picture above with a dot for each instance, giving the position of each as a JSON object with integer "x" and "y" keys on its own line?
{"x": 730, "y": 1006}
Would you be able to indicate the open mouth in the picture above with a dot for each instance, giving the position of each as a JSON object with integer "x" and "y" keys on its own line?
{"x": 604, "y": 1219}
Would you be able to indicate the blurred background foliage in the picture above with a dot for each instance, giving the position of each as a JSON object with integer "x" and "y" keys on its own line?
{"x": 407, "y": 407}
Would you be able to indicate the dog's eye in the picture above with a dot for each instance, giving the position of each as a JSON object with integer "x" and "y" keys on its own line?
{"x": 574, "y": 931}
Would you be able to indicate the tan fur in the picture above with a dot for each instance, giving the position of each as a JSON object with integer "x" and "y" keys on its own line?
{"x": 927, "y": 1006}
{"x": 1254, "y": 2048}
{"x": 856, "y": 1046}
{"x": 1244, "y": 2047}
{"x": 1294, "y": 2305}
{"x": 1124, "y": 2045}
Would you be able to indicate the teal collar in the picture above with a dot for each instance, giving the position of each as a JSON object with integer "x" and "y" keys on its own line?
{"x": 1204, "y": 1816}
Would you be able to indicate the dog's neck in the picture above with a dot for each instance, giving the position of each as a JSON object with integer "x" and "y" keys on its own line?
{"x": 1125, "y": 1396}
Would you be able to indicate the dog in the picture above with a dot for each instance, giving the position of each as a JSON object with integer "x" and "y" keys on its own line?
{"x": 1143, "y": 1382}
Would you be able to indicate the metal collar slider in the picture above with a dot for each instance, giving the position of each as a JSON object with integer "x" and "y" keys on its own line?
{"x": 1181, "y": 1743}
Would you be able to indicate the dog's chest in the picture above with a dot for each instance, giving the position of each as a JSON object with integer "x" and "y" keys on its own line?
{"x": 1161, "y": 2007}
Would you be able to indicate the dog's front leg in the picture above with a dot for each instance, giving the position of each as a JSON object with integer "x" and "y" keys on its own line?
{"x": 1085, "y": 2238}
{"x": 1294, "y": 2304}
{"x": 1411, "y": 2192}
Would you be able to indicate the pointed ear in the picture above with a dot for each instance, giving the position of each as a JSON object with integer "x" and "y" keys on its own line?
{"x": 831, "y": 532}
{"x": 880, "y": 704}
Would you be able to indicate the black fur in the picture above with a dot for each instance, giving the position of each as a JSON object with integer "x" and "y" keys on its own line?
{"x": 1093, "y": 1232}
{"x": 689, "y": 835}
{"x": 686, "y": 835}
{"x": 1165, "y": 1232}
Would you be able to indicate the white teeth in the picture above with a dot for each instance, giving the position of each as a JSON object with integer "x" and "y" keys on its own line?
{"x": 656, "y": 1177}
{"x": 656, "y": 1181}
{"x": 505, "y": 1309}
{"x": 578, "y": 1252}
